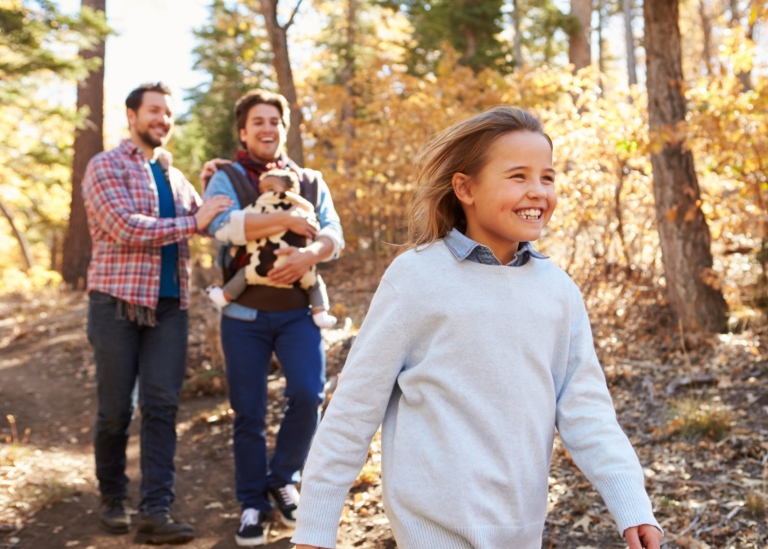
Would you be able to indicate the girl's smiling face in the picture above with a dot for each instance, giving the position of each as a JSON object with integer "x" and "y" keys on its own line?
{"x": 513, "y": 196}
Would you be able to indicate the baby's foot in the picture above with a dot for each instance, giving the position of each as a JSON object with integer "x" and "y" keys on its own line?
{"x": 324, "y": 320}
{"x": 216, "y": 294}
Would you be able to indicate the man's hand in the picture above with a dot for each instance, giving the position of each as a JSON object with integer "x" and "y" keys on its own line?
{"x": 644, "y": 536}
{"x": 299, "y": 222}
{"x": 293, "y": 263}
{"x": 210, "y": 209}
{"x": 209, "y": 168}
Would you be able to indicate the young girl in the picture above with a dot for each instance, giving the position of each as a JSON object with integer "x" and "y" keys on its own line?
{"x": 475, "y": 348}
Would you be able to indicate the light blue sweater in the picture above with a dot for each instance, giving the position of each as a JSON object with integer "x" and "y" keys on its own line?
{"x": 470, "y": 368}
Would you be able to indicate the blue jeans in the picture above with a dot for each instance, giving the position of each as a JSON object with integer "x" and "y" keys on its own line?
{"x": 248, "y": 347}
{"x": 155, "y": 356}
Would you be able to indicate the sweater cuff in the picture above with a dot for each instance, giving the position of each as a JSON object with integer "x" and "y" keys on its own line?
{"x": 318, "y": 515}
{"x": 629, "y": 505}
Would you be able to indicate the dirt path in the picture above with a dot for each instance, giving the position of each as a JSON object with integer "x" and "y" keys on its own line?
{"x": 48, "y": 389}
{"x": 708, "y": 487}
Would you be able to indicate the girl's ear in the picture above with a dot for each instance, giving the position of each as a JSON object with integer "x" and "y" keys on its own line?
{"x": 462, "y": 188}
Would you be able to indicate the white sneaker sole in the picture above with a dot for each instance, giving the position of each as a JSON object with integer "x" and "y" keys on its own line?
{"x": 249, "y": 542}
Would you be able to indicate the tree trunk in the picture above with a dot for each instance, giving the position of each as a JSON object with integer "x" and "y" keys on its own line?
{"x": 691, "y": 284}
{"x": 278, "y": 38}
{"x": 745, "y": 77}
{"x": 347, "y": 75}
{"x": 26, "y": 251}
{"x": 471, "y": 50}
{"x": 579, "y": 50}
{"x": 600, "y": 50}
{"x": 706, "y": 31}
{"x": 89, "y": 141}
{"x": 630, "y": 40}
{"x": 518, "y": 39}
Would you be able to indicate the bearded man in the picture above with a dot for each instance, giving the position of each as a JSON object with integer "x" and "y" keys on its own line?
{"x": 141, "y": 211}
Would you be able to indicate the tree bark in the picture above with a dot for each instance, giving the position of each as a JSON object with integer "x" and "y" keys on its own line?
{"x": 685, "y": 240}
{"x": 630, "y": 40}
{"x": 26, "y": 251}
{"x": 745, "y": 77}
{"x": 600, "y": 50}
{"x": 278, "y": 38}
{"x": 471, "y": 50}
{"x": 579, "y": 48}
{"x": 347, "y": 75}
{"x": 89, "y": 141}
{"x": 518, "y": 40}
{"x": 706, "y": 31}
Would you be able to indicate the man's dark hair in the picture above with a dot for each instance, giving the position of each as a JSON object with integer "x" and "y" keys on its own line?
{"x": 134, "y": 99}
{"x": 255, "y": 97}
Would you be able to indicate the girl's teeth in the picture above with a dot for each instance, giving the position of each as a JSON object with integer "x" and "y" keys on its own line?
{"x": 529, "y": 214}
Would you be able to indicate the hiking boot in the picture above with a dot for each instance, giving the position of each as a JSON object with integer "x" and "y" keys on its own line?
{"x": 113, "y": 516}
{"x": 159, "y": 528}
{"x": 286, "y": 500}
{"x": 251, "y": 531}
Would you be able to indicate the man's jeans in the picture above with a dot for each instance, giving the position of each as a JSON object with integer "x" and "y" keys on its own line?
{"x": 248, "y": 347}
{"x": 156, "y": 356}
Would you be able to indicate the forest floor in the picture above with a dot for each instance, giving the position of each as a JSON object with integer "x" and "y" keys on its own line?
{"x": 694, "y": 406}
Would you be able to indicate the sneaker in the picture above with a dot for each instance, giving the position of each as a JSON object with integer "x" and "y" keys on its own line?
{"x": 159, "y": 528}
{"x": 251, "y": 531}
{"x": 113, "y": 516}
{"x": 286, "y": 500}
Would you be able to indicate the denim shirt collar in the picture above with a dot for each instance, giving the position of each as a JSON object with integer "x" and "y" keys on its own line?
{"x": 464, "y": 247}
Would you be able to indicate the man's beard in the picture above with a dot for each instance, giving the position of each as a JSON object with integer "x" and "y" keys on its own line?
{"x": 153, "y": 141}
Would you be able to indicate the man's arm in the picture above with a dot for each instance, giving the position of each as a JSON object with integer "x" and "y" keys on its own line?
{"x": 299, "y": 260}
{"x": 330, "y": 224}
{"x": 111, "y": 207}
{"x": 328, "y": 243}
{"x": 239, "y": 227}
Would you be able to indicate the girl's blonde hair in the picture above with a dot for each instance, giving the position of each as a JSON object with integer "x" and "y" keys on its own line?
{"x": 461, "y": 148}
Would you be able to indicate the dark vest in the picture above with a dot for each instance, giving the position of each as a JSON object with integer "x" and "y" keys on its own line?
{"x": 257, "y": 296}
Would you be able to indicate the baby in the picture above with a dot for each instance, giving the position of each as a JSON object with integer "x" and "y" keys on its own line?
{"x": 278, "y": 190}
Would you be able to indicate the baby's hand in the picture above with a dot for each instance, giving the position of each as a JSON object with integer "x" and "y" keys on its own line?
{"x": 644, "y": 536}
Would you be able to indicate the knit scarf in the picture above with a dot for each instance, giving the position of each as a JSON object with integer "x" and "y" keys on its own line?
{"x": 253, "y": 169}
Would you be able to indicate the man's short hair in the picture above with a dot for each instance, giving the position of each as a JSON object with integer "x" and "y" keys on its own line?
{"x": 134, "y": 99}
{"x": 255, "y": 97}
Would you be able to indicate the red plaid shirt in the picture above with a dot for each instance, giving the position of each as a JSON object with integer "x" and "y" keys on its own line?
{"x": 127, "y": 230}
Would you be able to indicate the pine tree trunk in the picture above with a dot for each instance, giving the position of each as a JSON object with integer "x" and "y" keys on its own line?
{"x": 630, "y": 40}
{"x": 706, "y": 34}
{"x": 347, "y": 76}
{"x": 278, "y": 38}
{"x": 518, "y": 40}
{"x": 89, "y": 141}
{"x": 579, "y": 48}
{"x": 745, "y": 77}
{"x": 683, "y": 232}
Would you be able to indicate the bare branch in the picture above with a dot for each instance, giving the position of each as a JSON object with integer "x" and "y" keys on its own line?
{"x": 293, "y": 15}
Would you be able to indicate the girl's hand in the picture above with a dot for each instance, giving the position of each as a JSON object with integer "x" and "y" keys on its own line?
{"x": 644, "y": 536}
